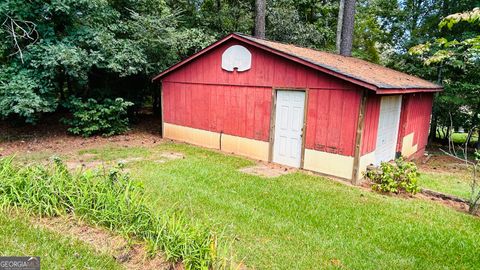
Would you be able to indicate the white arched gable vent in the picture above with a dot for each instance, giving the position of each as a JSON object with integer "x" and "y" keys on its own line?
{"x": 236, "y": 57}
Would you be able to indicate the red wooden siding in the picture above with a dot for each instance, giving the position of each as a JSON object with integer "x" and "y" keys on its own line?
{"x": 332, "y": 120}
{"x": 239, "y": 111}
{"x": 415, "y": 117}
{"x": 267, "y": 70}
{"x": 372, "y": 112}
{"x": 204, "y": 96}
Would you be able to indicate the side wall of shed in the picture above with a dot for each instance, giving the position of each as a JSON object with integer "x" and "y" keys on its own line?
{"x": 413, "y": 128}
{"x": 206, "y": 105}
{"x": 414, "y": 124}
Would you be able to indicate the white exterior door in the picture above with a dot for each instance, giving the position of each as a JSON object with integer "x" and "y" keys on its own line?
{"x": 389, "y": 119}
{"x": 289, "y": 117}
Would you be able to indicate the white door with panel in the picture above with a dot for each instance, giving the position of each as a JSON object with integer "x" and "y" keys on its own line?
{"x": 289, "y": 119}
{"x": 388, "y": 123}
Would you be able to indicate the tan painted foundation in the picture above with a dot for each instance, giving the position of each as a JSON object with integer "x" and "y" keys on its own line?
{"x": 317, "y": 161}
{"x": 192, "y": 135}
{"x": 245, "y": 147}
{"x": 408, "y": 148}
{"x": 233, "y": 144}
{"x": 328, "y": 163}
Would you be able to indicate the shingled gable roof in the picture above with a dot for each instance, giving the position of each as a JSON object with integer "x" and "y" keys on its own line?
{"x": 372, "y": 76}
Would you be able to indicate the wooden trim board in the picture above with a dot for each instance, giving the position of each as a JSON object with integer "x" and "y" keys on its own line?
{"x": 272, "y": 125}
{"x": 358, "y": 139}
{"x": 304, "y": 129}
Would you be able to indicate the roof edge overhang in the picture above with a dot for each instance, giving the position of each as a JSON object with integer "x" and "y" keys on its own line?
{"x": 387, "y": 91}
{"x": 302, "y": 61}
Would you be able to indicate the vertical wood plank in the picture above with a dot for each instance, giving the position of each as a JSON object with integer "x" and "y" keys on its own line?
{"x": 358, "y": 139}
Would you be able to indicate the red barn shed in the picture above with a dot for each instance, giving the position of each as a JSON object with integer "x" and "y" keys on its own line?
{"x": 295, "y": 106}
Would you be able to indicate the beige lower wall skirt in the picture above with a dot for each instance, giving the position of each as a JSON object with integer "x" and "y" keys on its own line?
{"x": 408, "y": 148}
{"x": 322, "y": 162}
{"x": 238, "y": 145}
{"x": 245, "y": 147}
{"x": 192, "y": 135}
{"x": 328, "y": 163}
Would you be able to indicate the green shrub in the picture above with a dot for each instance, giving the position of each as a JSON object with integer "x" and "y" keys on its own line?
{"x": 91, "y": 117}
{"x": 399, "y": 177}
{"x": 24, "y": 95}
{"x": 109, "y": 199}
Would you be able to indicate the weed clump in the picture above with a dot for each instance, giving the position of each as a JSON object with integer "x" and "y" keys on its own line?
{"x": 107, "y": 198}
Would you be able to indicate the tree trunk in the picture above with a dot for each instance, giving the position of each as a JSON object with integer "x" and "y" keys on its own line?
{"x": 346, "y": 21}
{"x": 433, "y": 129}
{"x": 339, "y": 25}
{"x": 260, "y": 18}
{"x": 157, "y": 110}
{"x": 447, "y": 134}
{"x": 478, "y": 140}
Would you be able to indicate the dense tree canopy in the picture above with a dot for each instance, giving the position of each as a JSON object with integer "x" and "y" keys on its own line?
{"x": 88, "y": 48}
{"x": 55, "y": 49}
{"x": 457, "y": 60}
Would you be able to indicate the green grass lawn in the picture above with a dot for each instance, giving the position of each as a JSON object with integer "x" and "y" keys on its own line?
{"x": 111, "y": 152}
{"x": 460, "y": 138}
{"x": 454, "y": 184}
{"x": 20, "y": 238}
{"x": 308, "y": 222}
{"x": 301, "y": 221}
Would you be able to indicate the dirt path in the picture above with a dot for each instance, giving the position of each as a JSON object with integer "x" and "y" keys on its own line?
{"x": 441, "y": 164}
{"x": 53, "y": 136}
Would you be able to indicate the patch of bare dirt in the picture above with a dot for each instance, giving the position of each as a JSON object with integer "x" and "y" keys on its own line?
{"x": 440, "y": 164}
{"x": 459, "y": 206}
{"x": 76, "y": 164}
{"x": 167, "y": 156}
{"x": 128, "y": 160}
{"x": 52, "y": 136}
{"x": 91, "y": 163}
{"x": 267, "y": 170}
{"x": 131, "y": 256}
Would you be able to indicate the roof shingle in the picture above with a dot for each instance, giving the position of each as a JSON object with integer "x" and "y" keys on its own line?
{"x": 377, "y": 75}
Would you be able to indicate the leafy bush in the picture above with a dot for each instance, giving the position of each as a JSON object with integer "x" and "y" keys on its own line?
{"x": 91, "y": 117}
{"x": 395, "y": 178}
{"x": 110, "y": 199}
{"x": 23, "y": 95}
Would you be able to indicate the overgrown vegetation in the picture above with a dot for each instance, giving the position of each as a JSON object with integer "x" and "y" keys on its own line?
{"x": 91, "y": 117}
{"x": 53, "y": 50}
{"x": 401, "y": 176}
{"x": 111, "y": 199}
{"x": 56, "y": 249}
